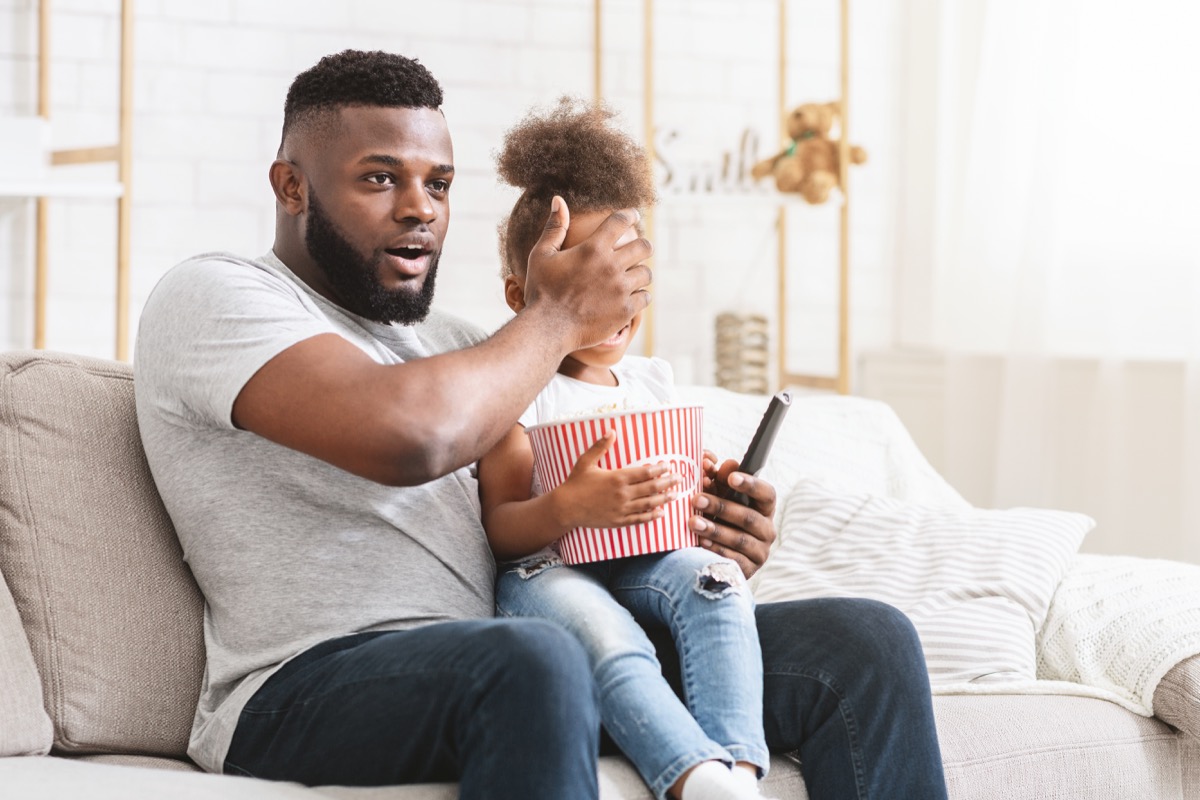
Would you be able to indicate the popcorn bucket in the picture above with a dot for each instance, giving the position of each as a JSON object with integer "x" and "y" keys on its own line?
{"x": 671, "y": 435}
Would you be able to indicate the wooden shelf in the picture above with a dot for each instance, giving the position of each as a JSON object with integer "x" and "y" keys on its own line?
{"x": 44, "y": 189}
{"x": 752, "y": 197}
{"x": 59, "y": 188}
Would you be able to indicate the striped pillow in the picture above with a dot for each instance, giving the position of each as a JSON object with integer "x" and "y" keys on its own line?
{"x": 976, "y": 583}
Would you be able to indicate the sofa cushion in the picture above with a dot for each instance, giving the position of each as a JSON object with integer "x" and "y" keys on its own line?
{"x": 1048, "y": 746}
{"x": 121, "y": 778}
{"x": 1177, "y": 697}
{"x": 51, "y": 778}
{"x": 25, "y": 729}
{"x": 112, "y": 614}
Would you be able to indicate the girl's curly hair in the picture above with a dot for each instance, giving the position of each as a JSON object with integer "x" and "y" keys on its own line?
{"x": 572, "y": 151}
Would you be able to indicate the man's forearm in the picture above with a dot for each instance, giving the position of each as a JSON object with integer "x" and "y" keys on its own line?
{"x": 402, "y": 424}
{"x": 476, "y": 395}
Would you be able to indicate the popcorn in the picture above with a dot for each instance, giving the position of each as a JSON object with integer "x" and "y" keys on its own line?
{"x": 609, "y": 408}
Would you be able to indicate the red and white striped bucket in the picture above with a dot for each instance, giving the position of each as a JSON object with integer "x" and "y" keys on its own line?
{"x": 671, "y": 435}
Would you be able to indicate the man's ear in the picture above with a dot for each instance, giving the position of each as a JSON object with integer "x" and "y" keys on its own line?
{"x": 289, "y": 185}
{"x": 514, "y": 293}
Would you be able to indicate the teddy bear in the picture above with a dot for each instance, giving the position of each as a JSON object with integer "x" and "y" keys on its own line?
{"x": 809, "y": 166}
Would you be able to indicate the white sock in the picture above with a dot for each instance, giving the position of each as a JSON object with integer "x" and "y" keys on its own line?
{"x": 748, "y": 778}
{"x": 712, "y": 780}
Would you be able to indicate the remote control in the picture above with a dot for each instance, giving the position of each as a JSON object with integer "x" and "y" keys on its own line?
{"x": 756, "y": 454}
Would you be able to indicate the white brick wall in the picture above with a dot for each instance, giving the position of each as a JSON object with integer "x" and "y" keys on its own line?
{"x": 209, "y": 85}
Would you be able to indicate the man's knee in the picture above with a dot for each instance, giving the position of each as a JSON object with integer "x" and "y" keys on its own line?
{"x": 544, "y": 659}
{"x": 880, "y": 621}
{"x": 866, "y": 631}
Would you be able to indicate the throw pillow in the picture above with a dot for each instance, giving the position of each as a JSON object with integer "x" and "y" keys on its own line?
{"x": 112, "y": 615}
{"x": 976, "y": 583}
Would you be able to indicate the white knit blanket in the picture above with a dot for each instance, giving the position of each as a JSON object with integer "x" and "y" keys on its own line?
{"x": 1117, "y": 624}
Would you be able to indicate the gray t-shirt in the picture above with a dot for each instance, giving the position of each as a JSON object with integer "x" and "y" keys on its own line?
{"x": 288, "y": 549}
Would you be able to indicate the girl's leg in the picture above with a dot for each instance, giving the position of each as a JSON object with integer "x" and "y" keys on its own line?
{"x": 704, "y": 601}
{"x": 638, "y": 708}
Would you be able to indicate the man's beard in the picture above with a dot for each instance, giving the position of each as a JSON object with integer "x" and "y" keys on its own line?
{"x": 355, "y": 279}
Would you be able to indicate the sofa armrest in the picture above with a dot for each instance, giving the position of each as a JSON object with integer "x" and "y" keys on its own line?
{"x": 1177, "y": 697}
{"x": 25, "y": 728}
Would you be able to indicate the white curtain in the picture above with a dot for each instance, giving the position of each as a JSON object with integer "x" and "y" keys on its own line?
{"x": 1063, "y": 260}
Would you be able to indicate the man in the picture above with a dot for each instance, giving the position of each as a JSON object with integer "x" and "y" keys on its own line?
{"x": 312, "y": 426}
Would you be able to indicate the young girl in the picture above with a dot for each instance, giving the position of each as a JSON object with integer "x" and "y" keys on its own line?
{"x": 714, "y": 746}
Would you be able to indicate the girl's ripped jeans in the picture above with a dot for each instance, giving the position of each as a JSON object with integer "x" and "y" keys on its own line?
{"x": 704, "y": 602}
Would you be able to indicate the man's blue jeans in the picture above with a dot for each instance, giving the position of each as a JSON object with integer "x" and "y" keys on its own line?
{"x": 509, "y": 709}
{"x": 845, "y": 685}
{"x": 705, "y": 603}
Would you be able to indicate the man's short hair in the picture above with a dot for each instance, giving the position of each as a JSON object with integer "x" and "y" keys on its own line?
{"x": 359, "y": 78}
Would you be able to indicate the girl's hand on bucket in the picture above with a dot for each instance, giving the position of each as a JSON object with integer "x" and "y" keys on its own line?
{"x": 595, "y": 497}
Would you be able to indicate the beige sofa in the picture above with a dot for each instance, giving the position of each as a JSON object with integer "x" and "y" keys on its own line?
{"x": 101, "y": 651}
